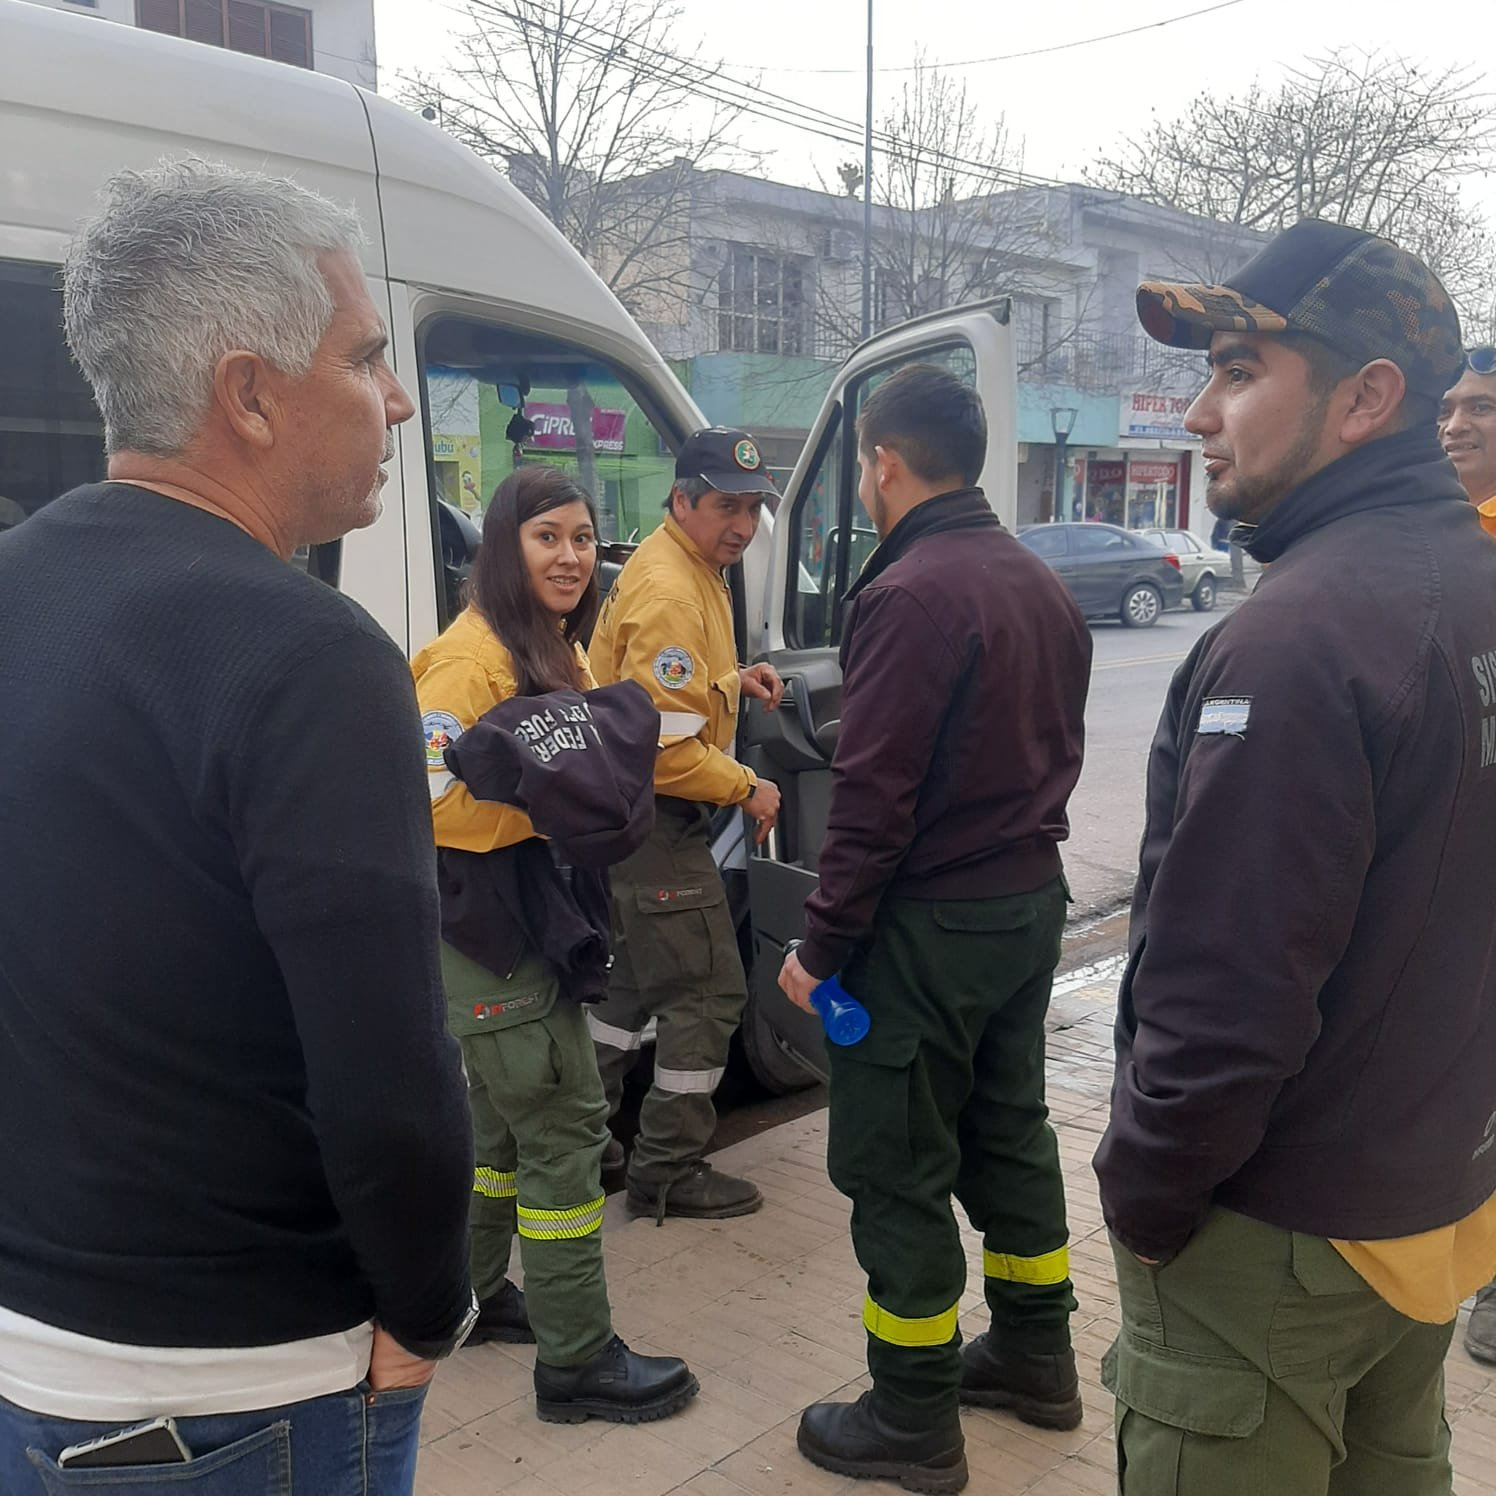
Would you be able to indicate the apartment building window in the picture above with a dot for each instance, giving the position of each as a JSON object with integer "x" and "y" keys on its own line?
{"x": 280, "y": 32}
{"x": 890, "y": 297}
{"x": 761, "y": 306}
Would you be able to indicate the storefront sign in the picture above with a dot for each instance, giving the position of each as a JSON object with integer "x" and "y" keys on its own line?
{"x": 1154, "y": 472}
{"x": 1105, "y": 473}
{"x": 1144, "y": 414}
{"x": 554, "y": 431}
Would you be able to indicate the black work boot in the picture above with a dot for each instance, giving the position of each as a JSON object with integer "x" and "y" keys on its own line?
{"x": 1041, "y": 1389}
{"x": 503, "y": 1316}
{"x": 1480, "y": 1333}
{"x": 615, "y": 1385}
{"x": 855, "y": 1439}
{"x": 701, "y": 1193}
{"x": 613, "y": 1157}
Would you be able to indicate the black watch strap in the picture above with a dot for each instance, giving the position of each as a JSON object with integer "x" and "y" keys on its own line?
{"x": 428, "y": 1350}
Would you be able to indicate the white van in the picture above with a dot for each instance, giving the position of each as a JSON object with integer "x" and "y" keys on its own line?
{"x": 513, "y": 346}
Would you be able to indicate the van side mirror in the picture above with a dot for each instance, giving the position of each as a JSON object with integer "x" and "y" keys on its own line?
{"x": 460, "y": 539}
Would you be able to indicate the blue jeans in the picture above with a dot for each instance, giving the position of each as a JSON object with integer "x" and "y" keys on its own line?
{"x": 354, "y": 1443}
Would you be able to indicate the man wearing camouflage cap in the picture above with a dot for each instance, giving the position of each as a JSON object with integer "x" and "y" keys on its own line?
{"x": 1301, "y": 1162}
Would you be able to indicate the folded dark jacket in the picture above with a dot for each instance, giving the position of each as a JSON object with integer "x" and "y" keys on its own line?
{"x": 579, "y": 764}
{"x": 497, "y": 906}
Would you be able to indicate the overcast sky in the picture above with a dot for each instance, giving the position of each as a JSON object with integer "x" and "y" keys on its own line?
{"x": 1067, "y": 105}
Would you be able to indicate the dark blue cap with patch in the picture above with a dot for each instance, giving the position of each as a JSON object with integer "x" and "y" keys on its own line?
{"x": 727, "y": 459}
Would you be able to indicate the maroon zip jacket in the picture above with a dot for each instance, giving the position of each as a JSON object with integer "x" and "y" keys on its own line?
{"x": 965, "y": 666}
{"x": 1307, "y": 1028}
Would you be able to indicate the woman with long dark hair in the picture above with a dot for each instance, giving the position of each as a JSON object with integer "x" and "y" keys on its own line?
{"x": 538, "y": 1108}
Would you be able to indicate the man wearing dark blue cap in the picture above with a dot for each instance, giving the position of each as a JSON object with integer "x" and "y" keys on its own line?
{"x": 1301, "y": 1162}
{"x": 668, "y": 624}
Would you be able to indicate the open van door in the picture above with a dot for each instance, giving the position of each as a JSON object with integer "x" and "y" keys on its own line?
{"x": 821, "y": 540}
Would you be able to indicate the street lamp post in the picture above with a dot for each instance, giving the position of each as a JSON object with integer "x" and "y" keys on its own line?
{"x": 1063, "y": 420}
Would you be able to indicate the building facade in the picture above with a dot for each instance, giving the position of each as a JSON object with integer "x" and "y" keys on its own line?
{"x": 765, "y": 298}
{"x": 330, "y": 36}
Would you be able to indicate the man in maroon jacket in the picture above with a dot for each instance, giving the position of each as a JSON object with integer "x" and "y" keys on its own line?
{"x": 941, "y": 902}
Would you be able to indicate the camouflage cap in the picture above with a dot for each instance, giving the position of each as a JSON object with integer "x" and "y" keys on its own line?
{"x": 1362, "y": 295}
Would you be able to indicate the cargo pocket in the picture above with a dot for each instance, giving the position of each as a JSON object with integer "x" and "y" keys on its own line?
{"x": 1182, "y": 1421}
{"x": 985, "y": 916}
{"x": 870, "y": 1141}
{"x": 673, "y": 938}
{"x": 1322, "y": 1307}
{"x": 1022, "y": 927}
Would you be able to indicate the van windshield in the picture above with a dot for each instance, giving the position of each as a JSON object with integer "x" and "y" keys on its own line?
{"x": 495, "y": 399}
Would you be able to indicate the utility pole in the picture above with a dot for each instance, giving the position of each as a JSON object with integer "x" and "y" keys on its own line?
{"x": 867, "y": 190}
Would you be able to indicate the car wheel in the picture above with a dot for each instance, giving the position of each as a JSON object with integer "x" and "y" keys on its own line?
{"x": 777, "y": 1072}
{"x": 1203, "y": 599}
{"x": 1141, "y": 605}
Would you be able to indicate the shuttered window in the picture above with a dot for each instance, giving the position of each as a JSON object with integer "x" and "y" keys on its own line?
{"x": 281, "y": 32}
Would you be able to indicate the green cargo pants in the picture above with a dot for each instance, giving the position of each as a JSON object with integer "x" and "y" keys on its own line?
{"x": 946, "y": 1095}
{"x": 539, "y": 1129}
{"x": 675, "y": 959}
{"x": 1259, "y": 1363}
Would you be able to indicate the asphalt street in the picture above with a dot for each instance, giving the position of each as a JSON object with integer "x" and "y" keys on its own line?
{"x": 1130, "y": 677}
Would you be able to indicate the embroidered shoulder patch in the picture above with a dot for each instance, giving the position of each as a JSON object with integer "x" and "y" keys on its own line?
{"x": 1225, "y": 714}
{"x": 673, "y": 668}
{"x": 440, "y": 730}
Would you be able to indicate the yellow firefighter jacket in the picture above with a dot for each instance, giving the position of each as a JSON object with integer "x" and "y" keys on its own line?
{"x": 667, "y": 624}
{"x": 459, "y": 676}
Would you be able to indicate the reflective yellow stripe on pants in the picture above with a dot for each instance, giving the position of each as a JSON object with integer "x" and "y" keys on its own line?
{"x": 494, "y": 1184}
{"x": 1049, "y": 1267}
{"x": 894, "y": 1329}
{"x": 561, "y": 1225}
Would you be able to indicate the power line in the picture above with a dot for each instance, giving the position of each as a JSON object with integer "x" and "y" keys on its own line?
{"x": 764, "y": 103}
{"x": 971, "y": 62}
{"x": 805, "y": 118}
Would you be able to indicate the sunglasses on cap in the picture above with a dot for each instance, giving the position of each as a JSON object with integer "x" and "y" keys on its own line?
{"x": 1482, "y": 360}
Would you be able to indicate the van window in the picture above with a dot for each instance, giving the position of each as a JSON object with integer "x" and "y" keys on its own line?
{"x": 833, "y": 537}
{"x": 51, "y": 435}
{"x": 51, "y": 432}
{"x": 494, "y": 399}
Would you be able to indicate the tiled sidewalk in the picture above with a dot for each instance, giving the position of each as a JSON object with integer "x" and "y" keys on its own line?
{"x": 768, "y": 1309}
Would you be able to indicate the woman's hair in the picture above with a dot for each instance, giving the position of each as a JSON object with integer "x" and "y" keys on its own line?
{"x": 545, "y": 657}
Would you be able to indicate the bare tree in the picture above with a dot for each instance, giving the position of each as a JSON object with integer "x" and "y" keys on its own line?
{"x": 952, "y": 222}
{"x": 595, "y": 111}
{"x": 1358, "y": 138}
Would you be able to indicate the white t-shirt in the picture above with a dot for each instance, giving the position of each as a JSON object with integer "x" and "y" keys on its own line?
{"x": 63, "y": 1375}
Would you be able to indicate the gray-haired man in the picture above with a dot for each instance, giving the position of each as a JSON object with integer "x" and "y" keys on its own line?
{"x": 241, "y": 1200}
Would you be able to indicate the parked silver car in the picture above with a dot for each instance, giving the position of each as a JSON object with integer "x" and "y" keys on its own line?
{"x": 1201, "y": 567}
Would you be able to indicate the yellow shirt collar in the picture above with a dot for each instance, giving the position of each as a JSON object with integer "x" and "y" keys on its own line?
{"x": 684, "y": 541}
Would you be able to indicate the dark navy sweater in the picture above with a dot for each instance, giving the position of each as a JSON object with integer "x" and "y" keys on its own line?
{"x": 230, "y": 1111}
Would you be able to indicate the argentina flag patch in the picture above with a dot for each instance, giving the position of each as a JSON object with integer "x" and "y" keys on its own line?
{"x": 1225, "y": 714}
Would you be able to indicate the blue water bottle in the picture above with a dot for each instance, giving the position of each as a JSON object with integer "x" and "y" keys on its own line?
{"x": 845, "y": 1020}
